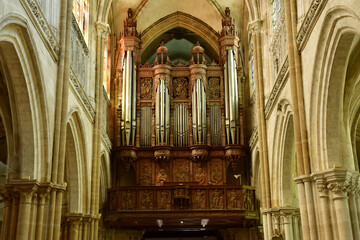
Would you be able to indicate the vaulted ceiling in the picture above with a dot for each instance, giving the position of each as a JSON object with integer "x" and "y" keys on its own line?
{"x": 149, "y": 11}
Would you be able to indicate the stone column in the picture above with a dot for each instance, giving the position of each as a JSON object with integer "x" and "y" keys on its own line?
{"x": 33, "y": 216}
{"x": 14, "y": 214}
{"x": 75, "y": 220}
{"x": 303, "y": 210}
{"x": 43, "y": 194}
{"x": 338, "y": 182}
{"x": 287, "y": 226}
{"x": 86, "y": 221}
{"x": 353, "y": 206}
{"x": 23, "y": 223}
{"x": 7, "y": 197}
{"x": 324, "y": 208}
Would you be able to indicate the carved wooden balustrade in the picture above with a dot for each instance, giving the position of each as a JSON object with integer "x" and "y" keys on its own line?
{"x": 143, "y": 205}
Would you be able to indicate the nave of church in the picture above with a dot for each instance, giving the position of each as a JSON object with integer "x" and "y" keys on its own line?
{"x": 192, "y": 119}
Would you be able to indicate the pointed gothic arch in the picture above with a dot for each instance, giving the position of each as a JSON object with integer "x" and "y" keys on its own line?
{"x": 330, "y": 89}
{"x": 23, "y": 108}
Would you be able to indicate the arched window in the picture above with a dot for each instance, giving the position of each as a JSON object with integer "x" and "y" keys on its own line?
{"x": 81, "y": 13}
{"x": 276, "y": 11}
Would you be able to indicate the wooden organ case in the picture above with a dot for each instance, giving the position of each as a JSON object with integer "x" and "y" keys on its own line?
{"x": 179, "y": 150}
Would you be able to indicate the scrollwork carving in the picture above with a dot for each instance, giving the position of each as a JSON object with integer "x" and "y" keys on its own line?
{"x": 181, "y": 86}
{"x": 146, "y": 88}
{"x": 214, "y": 87}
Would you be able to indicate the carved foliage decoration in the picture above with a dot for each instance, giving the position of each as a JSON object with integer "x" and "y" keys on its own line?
{"x": 214, "y": 87}
{"x": 146, "y": 173}
{"x": 146, "y": 88}
{"x": 181, "y": 86}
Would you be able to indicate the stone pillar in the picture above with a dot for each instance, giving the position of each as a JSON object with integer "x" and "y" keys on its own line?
{"x": 303, "y": 210}
{"x": 353, "y": 206}
{"x": 42, "y": 195}
{"x": 23, "y": 223}
{"x": 324, "y": 208}
{"x": 75, "y": 220}
{"x": 338, "y": 182}
{"x": 7, "y": 197}
{"x": 287, "y": 226}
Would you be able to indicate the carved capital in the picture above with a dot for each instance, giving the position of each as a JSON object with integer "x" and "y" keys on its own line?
{"x": 102, "y": 29}
{"x": 255, "y": 26}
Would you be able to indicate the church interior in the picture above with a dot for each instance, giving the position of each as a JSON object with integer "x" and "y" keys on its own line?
{"x": 179, "y": 120}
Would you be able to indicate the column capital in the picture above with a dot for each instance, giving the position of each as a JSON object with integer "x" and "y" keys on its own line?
{"x": 102, "y": 29}
{"x": 321, "y": 185}
{"x": 255, "y": 26}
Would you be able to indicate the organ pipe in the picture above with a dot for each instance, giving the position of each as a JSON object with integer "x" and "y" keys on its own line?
{"x": 232, "y": 123}
{"x": 199, "y": 112}
{"x": 162, "y": 114}
{"x": 128, "y": 116}
{"x": 181, "y": 126}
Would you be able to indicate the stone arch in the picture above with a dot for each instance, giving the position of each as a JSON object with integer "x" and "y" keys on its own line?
{"x": 23, "y": 108}
{"x": 103, "y": 10}
{"x": 183, "y": 20}
{"x": 105, "y": 180}
{"x": 331, "y": 87}
{"x": 78, "y": 198}
{"x": 283, "y": 156}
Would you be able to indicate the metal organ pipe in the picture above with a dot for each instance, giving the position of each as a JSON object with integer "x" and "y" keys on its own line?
{"x": 181, "y": 126}
{"x": 162, "y": 114}
{"x": 232, "y": 124}
{"x": 199, "y": 112}
{"x": 128, "y": 116}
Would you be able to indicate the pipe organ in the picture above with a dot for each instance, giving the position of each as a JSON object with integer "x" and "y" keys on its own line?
{"x": 232, "y": 121}
{"x": 199, "y": 112}
{"x": 179, "y": 125}
{"x": 162, "y": 113}
{"x": 128, "y": 108}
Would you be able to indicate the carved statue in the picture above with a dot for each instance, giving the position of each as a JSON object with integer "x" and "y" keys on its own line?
{"x": 200, "y": 176}
{"x": 164, "y": 199}
{"x": 161, "y": 177}
{"x": 216, "y": 199}
{"x": 146, "y": 88}
{"x": 248, "y": 200}
{"x": 199, "y": 200}
{"x": 146, "y": 176}
{"x": 216, "y": 174}
{"x": 146, "y": 201}
{"x": 234, "y": 200}
{"x": 128, "y": 200}
{"x": 182, "y": 173}
{"x": 181, "y": 86}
